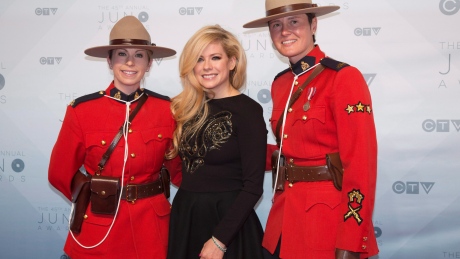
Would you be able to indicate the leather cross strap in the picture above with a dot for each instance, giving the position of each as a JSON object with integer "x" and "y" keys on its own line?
{"x": 319, "y": 68}
{"x": 115, "y": 140}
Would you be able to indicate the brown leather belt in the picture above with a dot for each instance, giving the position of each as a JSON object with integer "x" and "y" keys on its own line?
{"x": 307, "y": 173}
{"x": 132, "y": 192}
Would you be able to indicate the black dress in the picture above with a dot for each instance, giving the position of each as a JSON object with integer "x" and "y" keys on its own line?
{"x": 223, "y": 166}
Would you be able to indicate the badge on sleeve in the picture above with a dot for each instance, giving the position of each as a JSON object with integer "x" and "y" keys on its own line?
{"x": 355, "y": 198}
{"x": 358, "y": 107}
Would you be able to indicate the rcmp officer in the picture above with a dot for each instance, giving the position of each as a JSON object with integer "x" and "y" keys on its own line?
{"x": 139, "y": 229}
{"x": 318, "y": 212}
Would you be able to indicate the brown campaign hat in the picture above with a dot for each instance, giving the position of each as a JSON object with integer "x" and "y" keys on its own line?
{"x": 129, "y": 32}
{"x": 281, "y": 8}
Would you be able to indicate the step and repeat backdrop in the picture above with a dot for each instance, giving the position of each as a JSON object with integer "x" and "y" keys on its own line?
{"x": 408, "y": 51}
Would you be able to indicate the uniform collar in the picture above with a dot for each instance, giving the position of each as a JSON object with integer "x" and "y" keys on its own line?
{"x": 112, "y": 91}
{"x": 313, "y": 57}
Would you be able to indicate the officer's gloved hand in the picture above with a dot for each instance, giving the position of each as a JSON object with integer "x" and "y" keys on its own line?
{"x": 344, "y": 254}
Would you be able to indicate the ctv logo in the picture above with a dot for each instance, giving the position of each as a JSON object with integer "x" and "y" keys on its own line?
{"x": 412, "y": 187}
{"x": 190, "y": 10}
{"x": 45, "y": 11}
{"x": 440, "y": 125}
{"x": 367, "y": 31}
{"x": 50, "y": 60}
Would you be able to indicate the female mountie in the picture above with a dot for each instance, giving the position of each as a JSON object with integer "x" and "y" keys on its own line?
{"x": 120, "y": 136}
{"x": 324, "y": 124}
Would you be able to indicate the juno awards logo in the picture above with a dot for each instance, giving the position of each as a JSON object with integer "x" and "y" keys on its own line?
{"x": 449, "y": 7}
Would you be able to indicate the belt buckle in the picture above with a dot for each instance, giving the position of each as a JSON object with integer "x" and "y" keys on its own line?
{"x": 128, "y": 193}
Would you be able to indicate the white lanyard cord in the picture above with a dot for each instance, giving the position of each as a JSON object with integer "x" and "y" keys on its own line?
{"x": 125, "y": 158}
{"x": 282, "y": 126}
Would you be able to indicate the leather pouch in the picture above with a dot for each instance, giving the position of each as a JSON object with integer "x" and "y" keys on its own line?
{"x": 165, "y": 179}
{"x": 334, "y": 165}
{"x": 80, "y": 190}
{"x": 282, "y": 171}
{"x": 105, "y": 192}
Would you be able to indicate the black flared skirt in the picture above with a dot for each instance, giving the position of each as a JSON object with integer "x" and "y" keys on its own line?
{"x": 194, "y": 216}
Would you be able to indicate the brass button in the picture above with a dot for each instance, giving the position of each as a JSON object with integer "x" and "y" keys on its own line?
{"x": 290, "y": 110}
{"x": 304, "y": 117}
{"x": 103, "y": 193}
{"x": 132, "y": 178}
{"x": 133, "y": 202}
{"x": 364, "y": 247}
{"x": 364, "y": 238}
{"x": 296, "y": 83}
{"x": 133, "y": 155}
{"x": 290, "y": 185}
{"x": 103, "y": 142}
{"x": 285, "y": 136}
{"x": 85, "y": 216}
{"x": 130, "y": 130}
{"x": 291, "y": 160}
{"x": 160, "y": 136}
{"x": 101, "y": 92}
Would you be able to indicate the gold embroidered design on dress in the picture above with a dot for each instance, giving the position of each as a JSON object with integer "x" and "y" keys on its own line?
{"x": 211, "y": 135}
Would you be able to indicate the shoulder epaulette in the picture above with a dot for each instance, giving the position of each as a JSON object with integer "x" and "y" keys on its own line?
{"x": 86, "y": 98}
{"x": 153, "y": 94}
{"x": 281, "y": 73}
{"x": 333, "y": 64}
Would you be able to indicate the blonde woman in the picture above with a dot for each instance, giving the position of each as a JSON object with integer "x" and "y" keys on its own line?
{"x": 221, "y": 138}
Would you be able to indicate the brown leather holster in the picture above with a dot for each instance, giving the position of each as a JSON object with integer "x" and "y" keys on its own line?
{"x": 165, "y": 179}
{"x": 345, "y": 254}
{"x": 282, "y": 171}
{"x": 80, "y": 189}
{"x": 334, "y": 164}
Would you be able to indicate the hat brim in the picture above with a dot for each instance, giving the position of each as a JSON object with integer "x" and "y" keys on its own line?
{"x": 318, "y": 11}
{"x": 103, "y": 51}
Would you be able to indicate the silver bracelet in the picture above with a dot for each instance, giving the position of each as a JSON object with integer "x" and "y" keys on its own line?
{"x": 218, "y": 246}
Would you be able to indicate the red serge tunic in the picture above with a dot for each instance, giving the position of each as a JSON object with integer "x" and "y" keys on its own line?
{"x": 90, "y": 124}
{"x": 314, "y": 218}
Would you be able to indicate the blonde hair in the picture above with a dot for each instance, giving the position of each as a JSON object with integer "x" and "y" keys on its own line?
{"x": 192, "y": 100}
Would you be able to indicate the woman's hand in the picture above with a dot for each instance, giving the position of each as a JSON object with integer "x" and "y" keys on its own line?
{"x": 211, "y": 251}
